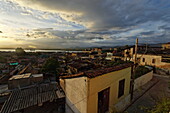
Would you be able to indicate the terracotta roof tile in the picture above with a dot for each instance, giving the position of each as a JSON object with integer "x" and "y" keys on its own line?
{"x": 98, "y": 72}
{"x": 73, "y": 75}
{"x": 95, "y": 73}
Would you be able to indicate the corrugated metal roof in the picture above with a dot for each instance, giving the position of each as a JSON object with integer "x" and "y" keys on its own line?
{"x": 24, "y": 98}
{"x": 37, "y": 75}
{"x": 27, "y": 75}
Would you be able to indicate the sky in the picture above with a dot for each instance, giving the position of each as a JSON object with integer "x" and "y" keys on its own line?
{"x": 53, "y": 24}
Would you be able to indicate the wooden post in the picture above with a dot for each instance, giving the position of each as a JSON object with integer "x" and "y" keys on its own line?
{"x": 134, "y": 69}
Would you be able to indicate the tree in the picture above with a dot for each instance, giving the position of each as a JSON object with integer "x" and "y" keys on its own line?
{"x": 20, "y": 51}
{"x": 51, "y": 66}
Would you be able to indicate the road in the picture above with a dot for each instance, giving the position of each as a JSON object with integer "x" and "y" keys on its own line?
{"x": 159, "y": 90}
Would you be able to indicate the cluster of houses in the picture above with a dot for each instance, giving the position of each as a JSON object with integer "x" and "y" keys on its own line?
{"x": 153, "y": 56}
{"x": 100, "y": 89}
{"x": 92, "y": 81}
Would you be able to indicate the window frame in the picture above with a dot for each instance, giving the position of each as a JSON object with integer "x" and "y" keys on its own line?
{"x": 153, "y": 61}
{"x": 143, "y": 59}
{"x": 121, "y": 88}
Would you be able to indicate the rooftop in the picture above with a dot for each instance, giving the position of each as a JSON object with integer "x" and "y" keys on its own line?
{"x": 20, "y": 76}
{"x": 36, "y": 95}
{"x": 37, "y": 75}
{"x": 99, "y": 71}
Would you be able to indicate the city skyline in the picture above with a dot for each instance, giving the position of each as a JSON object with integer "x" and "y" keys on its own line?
{"x": 89, "y": 23}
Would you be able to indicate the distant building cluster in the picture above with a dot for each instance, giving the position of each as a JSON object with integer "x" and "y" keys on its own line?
{"x": 93, "y": 80}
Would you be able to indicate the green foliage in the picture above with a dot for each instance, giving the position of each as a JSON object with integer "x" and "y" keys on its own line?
{"x": 161, "y": 107}
{"x": 141, "y": 70}
{"x": 50, "y": 66}
{"x": 20, "y": 51}
{"x": 117, "y": 62}
{"x": 2, "y": 59}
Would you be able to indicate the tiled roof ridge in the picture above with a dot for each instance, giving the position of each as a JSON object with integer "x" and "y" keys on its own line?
{"x": 72, "y": 75}
{"x": 98, "y": 72}
{"x": 107, "y": 70}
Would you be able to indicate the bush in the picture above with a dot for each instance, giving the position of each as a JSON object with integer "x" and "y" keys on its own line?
{"x": 50, "y": 66}
{"x": 161, "y": 107}
{"x": 141, "y": 70}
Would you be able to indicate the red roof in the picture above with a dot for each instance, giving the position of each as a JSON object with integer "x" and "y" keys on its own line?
{"x": 73, "y": 75}
{"x": 98, "y": 72}
{"x": 95, "y": 73}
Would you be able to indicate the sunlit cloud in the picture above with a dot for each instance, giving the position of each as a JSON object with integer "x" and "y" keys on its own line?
{"x": 88, "y": 23}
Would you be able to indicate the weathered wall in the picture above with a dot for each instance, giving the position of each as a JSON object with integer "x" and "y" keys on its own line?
{"x": 111, "y": 80}
{"x": 143, "y": 80}
{"x": 76, "y": 94}
{"x": 149, "y": 58}
{"x": 122, "y": 103}
{"x": 165, "y": 46}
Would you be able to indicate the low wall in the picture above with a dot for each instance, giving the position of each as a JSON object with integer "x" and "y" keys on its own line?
{"x": 162, "y": 71}
{"x": 122, "y": 104}
{"x": 143, "y": 80}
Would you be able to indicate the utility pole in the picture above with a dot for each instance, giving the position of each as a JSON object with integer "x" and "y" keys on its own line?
{"x": 134, "y": 69}
{"x": 136, "y": 49}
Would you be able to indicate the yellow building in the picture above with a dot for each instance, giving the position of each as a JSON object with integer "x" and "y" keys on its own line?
{"x": 166, "y": 46}
{"x": 128, "y": 53}
{"x": 99, "y": 91}
{"x": 153, "y": 60}
{"x": 74, "y": 54}
{"x": 146, "y": 59}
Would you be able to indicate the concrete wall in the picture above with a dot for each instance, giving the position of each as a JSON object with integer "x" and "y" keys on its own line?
{"x": 76, "y": 94}
{"x": 122, "y": 103}
{"x": 19, "y": 83}
{"x": 165, "y": 46}
{"x": 82, "y": 93}
{"x": 149, "y": 58}
{"x": 111, "y": 80}
{"x": 109, "y": 56}
{"x": 143, "y": 80}
{"x": 130, "y": 55}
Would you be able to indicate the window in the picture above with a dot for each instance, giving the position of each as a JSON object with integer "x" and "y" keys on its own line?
{"x": 153, "y": 61}
{"x": 143, "y": 59}
{"x": 121, "y": 88}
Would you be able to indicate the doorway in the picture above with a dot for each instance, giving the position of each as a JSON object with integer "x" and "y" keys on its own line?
{"x": 103, "y": 100}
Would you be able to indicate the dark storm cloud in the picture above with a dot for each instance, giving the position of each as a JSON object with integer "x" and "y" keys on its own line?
{"x": 111, "y": 13}
{"x": 147, "y": 33}
{"x": 89, "y": 23}
{"x": 165, "y": 27}
{"x": 69, "y": 35}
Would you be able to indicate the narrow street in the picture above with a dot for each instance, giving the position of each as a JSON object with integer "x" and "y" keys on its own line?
{"x": 158, "y": 91}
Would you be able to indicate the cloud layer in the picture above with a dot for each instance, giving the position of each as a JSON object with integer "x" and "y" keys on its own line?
{"x": 84, "y": 23}
{"x": 104, "y": 14}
